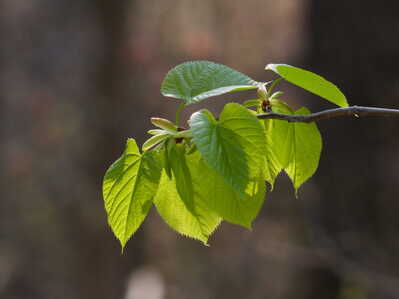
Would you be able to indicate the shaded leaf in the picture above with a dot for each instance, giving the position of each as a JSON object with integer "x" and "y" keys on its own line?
{"x": 195, "y": 81}
{"x": 165, "y": 158}
{"x": 311, "y": 82}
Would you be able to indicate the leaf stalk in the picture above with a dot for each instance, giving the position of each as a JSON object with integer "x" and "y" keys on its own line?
{"x": 178, "y": 113}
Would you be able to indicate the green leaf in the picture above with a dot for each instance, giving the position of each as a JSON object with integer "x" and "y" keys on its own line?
{"x": 182, "y": 175}
{"x": 251, "y": 103}
{"x": 157, "y": 132}
{"x": 276, "y": 95}
{"x": 232, "y": 146}
{"x": 250, "y": 136}
{"x": 178, "y": 201}
{"x": 128, "y": 189}
{"x": 279, "y": 136}
{"x": 272, "y": 163}
{"x": 169, "y": 143}
{"x": 164, "y": 124}
{"x": 232, "y": 207}
{"x": 297, "y": 145}
{"x": 195, "y": 81}
{"x": 154, "y": 140}
{"x": 311, "y": 82}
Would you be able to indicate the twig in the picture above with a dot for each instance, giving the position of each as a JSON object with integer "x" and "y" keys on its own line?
{"x": 355, "y": 111}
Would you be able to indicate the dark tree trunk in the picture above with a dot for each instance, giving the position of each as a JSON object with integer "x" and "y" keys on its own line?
{"x": 62, "y": 75}
{"x": 355, "y": 45}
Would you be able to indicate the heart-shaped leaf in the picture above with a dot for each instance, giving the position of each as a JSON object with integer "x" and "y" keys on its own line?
{"x": 128, "y": 189}
{"x": 232, "y": 146}
{"x": 297, "y": 146}
{"x": 306, "y": 150}
{"x": 178, "y": 201}
{"x": 311, "y": 82}
{"x": 195, "y": 81}
{"x": 222, "y": 198}
{"x": 279, "y": 136}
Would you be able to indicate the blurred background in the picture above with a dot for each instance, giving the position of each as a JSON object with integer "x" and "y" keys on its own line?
{"x": 79, "y": 77}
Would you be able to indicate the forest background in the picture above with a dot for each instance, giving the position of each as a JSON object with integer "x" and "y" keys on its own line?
{"x": 79, "y": 77}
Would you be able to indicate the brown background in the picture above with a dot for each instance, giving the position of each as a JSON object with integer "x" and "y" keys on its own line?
{"x": 79, "y": 77}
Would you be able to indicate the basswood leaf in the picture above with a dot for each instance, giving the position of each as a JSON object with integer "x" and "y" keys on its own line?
{"x": 272, "y": 163}
{"x": 311, "y": 82}
{"x": 228, "y": 204}
{"x": 178, "y": 201}
{"x": 250, "y": 135}
{"x": 297, "y": 145}
{"x": 195, "y": 81}
{"x": 251, "y": 103}
{"x": 232, "y": 146}
{"x": 279, "y": 137}
{"x": 182, "y": 175}
{"x": 128, "y": 189}
{"x": 169, "y": 143}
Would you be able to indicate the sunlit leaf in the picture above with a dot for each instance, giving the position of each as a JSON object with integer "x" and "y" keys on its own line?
{"x": 178, "y": 201}
{"x": 233, "y": 146}
{"x": 272, "y": 165}
{"x": 232, "y": 207}
{"x": 311, "y": 82}
{"x": 297, "y": 145}
{"x": 128, "y": 189}
{"x": 279, "y": 134}
{"x": 164, "y": 124}
{"x": 195, "y": 81}
{"x": 154, "y": 140}
{"x": 157, "y": 132}
{"x": 251, "y": 103}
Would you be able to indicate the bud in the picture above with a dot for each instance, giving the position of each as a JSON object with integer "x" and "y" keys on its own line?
{"x": 163, "y": 124}
{"x": 262, "y": 92}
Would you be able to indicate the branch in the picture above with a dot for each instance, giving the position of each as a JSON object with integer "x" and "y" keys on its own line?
{"x": 355, "y": 111}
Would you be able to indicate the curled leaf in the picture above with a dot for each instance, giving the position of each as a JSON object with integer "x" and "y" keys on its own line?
{"x": 154, "y": 140}
{"x": 157, "y": 132}
{"x": 163, "y": 124}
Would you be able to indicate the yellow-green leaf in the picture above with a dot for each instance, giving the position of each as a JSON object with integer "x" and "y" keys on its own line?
{"x": 233, "y": 146}
{"x": 311, "y": 82}
{"x": 178, "y": 201}
{"x": 128, "y": 189}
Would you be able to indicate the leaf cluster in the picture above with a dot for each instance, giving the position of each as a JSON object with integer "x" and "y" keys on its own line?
{"x": 217, "y": 168}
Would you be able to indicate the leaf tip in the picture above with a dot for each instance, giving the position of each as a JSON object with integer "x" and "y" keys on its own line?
{"x": 123, "y": 245}
{"x": 296, "y": 192}
{"x": 205, "y": 243}
{"x": 249, "y": 227}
